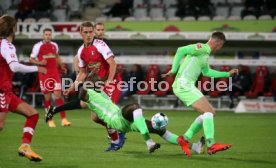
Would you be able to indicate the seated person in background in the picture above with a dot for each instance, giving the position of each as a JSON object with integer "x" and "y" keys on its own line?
{"x": 240, "y": 84}
{"x": 137, "y": 74}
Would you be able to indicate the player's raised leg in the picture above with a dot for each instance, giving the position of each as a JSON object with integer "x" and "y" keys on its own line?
{"x": 170, "y": 137}
{"x": 134, "y": 113}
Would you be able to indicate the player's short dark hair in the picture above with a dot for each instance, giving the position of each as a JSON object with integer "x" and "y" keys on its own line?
{"x": 99, "y": 23}
{"x": 7, "y": 24}
{"x": 47, "y": 29}
{"x": 86, "y": 24}
{"x": 218, "y": 35}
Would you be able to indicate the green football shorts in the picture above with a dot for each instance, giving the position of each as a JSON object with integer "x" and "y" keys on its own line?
{"x": 188, "y": 95}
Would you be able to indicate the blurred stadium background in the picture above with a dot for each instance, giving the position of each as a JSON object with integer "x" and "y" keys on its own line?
{"x": 147, "y": 33}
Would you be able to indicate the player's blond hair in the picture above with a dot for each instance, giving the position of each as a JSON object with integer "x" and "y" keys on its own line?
{"x": 7, "y": 24}
{"x": 86, "y": 24}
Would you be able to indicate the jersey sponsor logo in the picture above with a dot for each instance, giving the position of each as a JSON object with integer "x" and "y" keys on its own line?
{"x": 198, "y": 46}
{"x": 49, "y": 56}
{"x": 94, "y": 65}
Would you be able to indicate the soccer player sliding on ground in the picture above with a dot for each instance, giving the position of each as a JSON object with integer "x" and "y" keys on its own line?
{"x": 130, "y": 119}
{"x": 196, "y": 62}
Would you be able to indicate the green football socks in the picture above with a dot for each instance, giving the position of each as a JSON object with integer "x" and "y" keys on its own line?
{"x": 170, "y": 137}
{"x": 194, "y": 128}
{"x": 208, "y": 127}
{"x": 139, "y": 122}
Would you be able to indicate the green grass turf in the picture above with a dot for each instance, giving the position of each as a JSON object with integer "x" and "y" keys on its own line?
{"x": 81, "y": 145}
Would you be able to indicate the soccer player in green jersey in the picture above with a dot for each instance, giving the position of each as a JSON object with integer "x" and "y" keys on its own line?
{"x": 129, "y": 119}
{"x": 196, "y": 62}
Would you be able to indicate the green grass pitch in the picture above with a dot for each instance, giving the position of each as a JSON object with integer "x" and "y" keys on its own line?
{"x": 253, "y": 137}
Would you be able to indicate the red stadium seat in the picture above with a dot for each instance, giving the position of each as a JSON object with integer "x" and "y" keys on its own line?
{"x": 272, "y": 87}
{"x": 152, "y": 74}
{"x": 169, "y": 80}
{"x": 216, "y": 93}
{"x": 204, "y": 84}
{"x": 258, "y": 83}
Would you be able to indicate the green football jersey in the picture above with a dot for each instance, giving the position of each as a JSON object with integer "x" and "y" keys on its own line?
{"x": 195, "y": 63}
{"x": 110, "y": 113}
{"x": 101, "y": 104}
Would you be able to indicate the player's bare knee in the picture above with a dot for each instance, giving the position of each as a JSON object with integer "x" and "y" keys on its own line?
{"x": 32, "y": 111}
{"x": 94, "y": 117}
{"x": 57, "y": 96}
{"x": 82, "y": 104}
{"x": 212, "y": 111}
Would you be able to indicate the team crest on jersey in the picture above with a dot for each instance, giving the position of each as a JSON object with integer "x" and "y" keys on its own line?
{"x": 93, "y": 53}
{"x": 198, "y": 46}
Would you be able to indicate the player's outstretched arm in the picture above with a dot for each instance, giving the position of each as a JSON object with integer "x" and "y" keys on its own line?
{"x": 234, "y": 72}
{"x": 167, "y": 74}
{"x": 80, "y": 78}
{"x": 214, "y": 73}
{"x": 112, "y": 69}
{"x": 181, "y": 53}
{"x": 76, "y": 64}
{"x": 17, "y": 67}
{"x": 83, "y": 95}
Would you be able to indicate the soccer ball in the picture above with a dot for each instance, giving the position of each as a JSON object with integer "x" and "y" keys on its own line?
{"x": 159, "y": 121}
